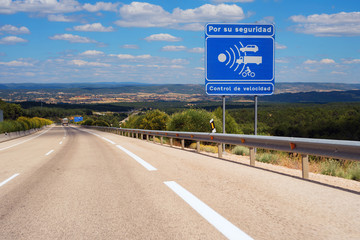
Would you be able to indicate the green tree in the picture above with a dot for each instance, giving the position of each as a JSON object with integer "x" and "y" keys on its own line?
{"x": 230, "y": 124}
{"x": 193, "y": 120}
{"x": 154, "y": 120}
{"x": 11, "y": 111}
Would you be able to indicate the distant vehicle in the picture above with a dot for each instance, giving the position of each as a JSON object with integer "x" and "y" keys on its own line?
{"x": 250, "y": 48}
{"x": 250, "y": 59}
{"x": 65, "y": 122}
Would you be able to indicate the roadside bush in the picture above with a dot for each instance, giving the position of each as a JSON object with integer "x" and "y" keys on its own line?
{"x": 101, "y": 123}
{"x": 230, "y": 124}
{"x": 23, "y": 124}
{"x": 240, "y": 150}
{"x": 88, "y": 122}
{"x": 154, "y": 120}
{"x": 267, "y": 158}
{"x": 193, "y": 120}
{"x": 133, "y": 122}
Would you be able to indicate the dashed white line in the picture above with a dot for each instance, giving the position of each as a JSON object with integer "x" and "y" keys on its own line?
{"x": 60, "y": 142}
{"x": 219, "y": 222}
{"x": 50, "y": 152}
{"x": 138, "y": 159}
{"x": 9, "y": 179}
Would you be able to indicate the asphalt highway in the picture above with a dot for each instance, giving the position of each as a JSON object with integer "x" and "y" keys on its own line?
{"x": 75, "y": 183}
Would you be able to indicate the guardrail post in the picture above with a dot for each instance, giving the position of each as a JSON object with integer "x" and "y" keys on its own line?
{"x": 252, "y": 156}
{"x": 305, "y": 166}
{"x": 142, "y": 136}
{"x": 198, "y": 146}
{"x": 182, "y": 143}
{"x": 171, "y": 142}
{"x": 161, "y": 140}
{"x": 137, "y": 135}
{"x": 220, "y": 151}
{"x": 147, "y": 137}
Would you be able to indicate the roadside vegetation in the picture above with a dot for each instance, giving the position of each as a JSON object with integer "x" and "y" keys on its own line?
{"x": 327, "y": 121}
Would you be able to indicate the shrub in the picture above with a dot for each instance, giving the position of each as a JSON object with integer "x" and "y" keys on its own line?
{"x": 354, "y": 171}
{"x": 240, "y": 150}
{"x": 193, "y": 120}
{"x": 101, "y": 123}
{"x": 154, "y": 120}
{"x": 267, "y": 158}
{"x": 230, "y": 124}
{"x": 88, "y": 122}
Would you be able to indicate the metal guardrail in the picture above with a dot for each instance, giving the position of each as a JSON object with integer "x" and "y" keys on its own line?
{"x": 339, "y": 149}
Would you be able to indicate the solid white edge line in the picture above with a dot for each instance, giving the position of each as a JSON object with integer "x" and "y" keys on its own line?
{"x": 219, "y": 222}
{"x": 9, "y": 179}
{"x": 50, "y": 152}
{"x": 60, "y": 142}
{"x": 26, "y": 140}
{"x": 108, "y": 140}
{"x": 138, "y": 159}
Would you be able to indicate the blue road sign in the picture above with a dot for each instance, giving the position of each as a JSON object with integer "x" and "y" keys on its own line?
{"x": 78, "y": 119}
{"x": 239, "y": 59}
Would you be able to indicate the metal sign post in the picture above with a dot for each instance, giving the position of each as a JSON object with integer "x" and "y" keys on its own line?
{"x": 223, "y": 108}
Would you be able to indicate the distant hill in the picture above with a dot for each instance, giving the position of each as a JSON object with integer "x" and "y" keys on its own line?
{"x": 282, "y": 87}
{"x": 315, "y": 97}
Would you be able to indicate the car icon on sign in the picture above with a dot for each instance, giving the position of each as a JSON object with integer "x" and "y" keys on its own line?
{"x": 250, "y": 48}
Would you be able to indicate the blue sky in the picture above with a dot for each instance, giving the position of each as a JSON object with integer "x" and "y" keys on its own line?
{"x": 162, "y": 41}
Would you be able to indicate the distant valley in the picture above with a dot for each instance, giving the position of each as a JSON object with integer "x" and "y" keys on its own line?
{"x": 80, "y": 93}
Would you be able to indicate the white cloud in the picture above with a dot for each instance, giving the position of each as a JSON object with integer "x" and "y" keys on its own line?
{"x": 82, "y": 63}
{"x": 72, "y": 38}
{"x": 310, "y": 62}
{"x": 279, "y": 46}
{"x": 53, "y": 6}
{"x": 233, "y": 1}
{"x": 338, "y": 73}
{"x": 39, "y": 6}
{"x": 162, "y": 37}
{"x": 173, "y": 48}
{"x": 92, "y": 53}
{"x": 352, "y": 61}
{"x": 16, "y": 64}
{"x": 200, "y": 68}
{"x": 95, "y": 27}
{"x": 338, "y": 24}
{"x": 327, "y": 61}
{"x": 322, "y": 61}
{"x": 14, "y": 30}
{"x": 141, "y": 14}
{"x": 180, "y": 61}
{"x": 101, "y": 6}
{"x": 130, "y": 57}
{"x": 196, "y": 50}
{"x": 12, "y": 40}
{"x": 60, "y": 18}
{"x": 281, "y": 61}
{"x": 130, "y": 46}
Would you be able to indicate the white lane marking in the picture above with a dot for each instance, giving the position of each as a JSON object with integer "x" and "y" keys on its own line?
{"x": 50, "y": 152}
{"x": 60, "y": 142}
{"x": 219, "y": 222}
{"x": 25, "y": 140}
{"x": 108, "y": 140}
{"x": 9, "y": 179}
{"x": 138, "y": 159}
